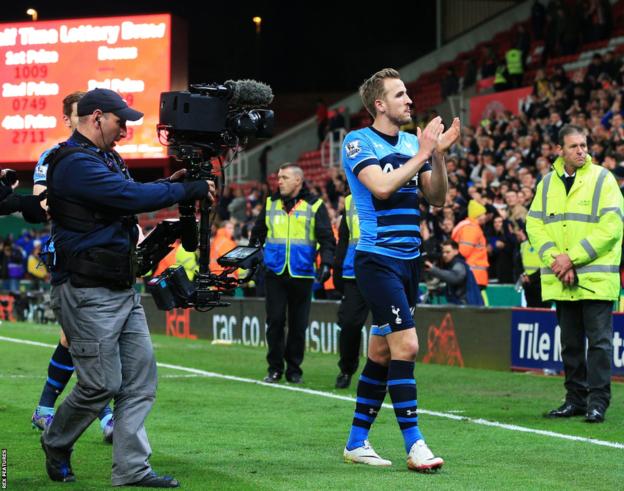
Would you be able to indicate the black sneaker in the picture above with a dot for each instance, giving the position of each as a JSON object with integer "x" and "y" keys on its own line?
{"x": 153, "y": 480}
{"x": 343, "y": 381}
{"x": 295, "y": 378}
{"x": 57, "y": 464}
{"x": 272, "y": 378}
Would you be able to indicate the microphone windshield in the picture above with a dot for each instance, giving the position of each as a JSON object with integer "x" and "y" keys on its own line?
{"x": 249, "y": 93}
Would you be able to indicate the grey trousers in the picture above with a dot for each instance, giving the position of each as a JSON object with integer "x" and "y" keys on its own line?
{"x": 587, "y": 378}
{"x": 112, "y": 352}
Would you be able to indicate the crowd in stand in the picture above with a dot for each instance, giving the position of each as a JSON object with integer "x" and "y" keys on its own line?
{"x": 20, "y": 258}
{"x": 496, "y": 164}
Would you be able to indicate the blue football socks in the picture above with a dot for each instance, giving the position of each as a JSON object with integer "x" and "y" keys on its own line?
{"x": 402, "y": 389}
{"x": 371, "y": 391}
{"x": 60, "y": 371}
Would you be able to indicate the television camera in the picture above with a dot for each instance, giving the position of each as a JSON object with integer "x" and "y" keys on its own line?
{"x": 199, "y": 126}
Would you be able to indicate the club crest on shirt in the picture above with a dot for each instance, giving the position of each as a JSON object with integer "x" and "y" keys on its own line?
{"x": 353, "y": 148}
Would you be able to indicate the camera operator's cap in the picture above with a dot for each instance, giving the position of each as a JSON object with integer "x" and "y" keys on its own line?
{"x": 107, "y": 101}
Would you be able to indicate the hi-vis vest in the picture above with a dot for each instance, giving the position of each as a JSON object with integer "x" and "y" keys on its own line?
{"x": 290, "y": 238}
{"x": 353, "y": 223}
{"x": 513, "y": 57}
{"x": 472, "y": 246}
{"x": 531, "y": 261}
{"x": 499, "y": 75}
{"x": 186, "y": 259}
{"x": 585, "y": 224}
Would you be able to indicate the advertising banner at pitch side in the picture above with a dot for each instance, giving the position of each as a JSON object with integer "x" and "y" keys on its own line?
{"x": 449, "y": 335}
{"x": 536, "y": 341}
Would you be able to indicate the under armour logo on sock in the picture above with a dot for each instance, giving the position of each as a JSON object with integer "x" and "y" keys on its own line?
{"x": 372, "y": 411}
{"x": 395, "y": 311}
{"x": 409, "y": 412}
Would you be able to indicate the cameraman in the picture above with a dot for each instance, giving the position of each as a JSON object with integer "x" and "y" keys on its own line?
{"x": 11, "y": 202}
{"x": 461, "y": 286}
{"x": 92, "y": 201}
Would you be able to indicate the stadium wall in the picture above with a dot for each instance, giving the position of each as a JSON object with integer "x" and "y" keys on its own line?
{"x": 471, "y": 337}
{"x": 491, "y": 338}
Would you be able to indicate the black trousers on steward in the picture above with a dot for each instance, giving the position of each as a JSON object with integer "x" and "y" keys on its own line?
{"x": 587, "y": 378}
{"x": 352, "y": 315}
{"x": 293, "y": 295}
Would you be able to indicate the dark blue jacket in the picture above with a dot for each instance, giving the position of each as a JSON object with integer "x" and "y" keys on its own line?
{"x": 106, "y": 184}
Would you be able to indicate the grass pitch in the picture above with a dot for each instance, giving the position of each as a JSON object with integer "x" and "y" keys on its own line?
{"x": 219, "y": 433}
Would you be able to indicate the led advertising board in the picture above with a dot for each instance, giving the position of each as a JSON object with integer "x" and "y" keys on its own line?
{"x": 42, "y": 62}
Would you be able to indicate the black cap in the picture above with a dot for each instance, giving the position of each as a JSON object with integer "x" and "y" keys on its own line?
{"x": 107, "y": 101}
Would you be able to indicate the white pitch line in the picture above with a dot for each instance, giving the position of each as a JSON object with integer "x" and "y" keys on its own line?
{"x": 329, "y": 395}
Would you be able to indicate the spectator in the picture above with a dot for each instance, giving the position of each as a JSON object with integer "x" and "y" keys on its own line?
{"x": 517, "y": 212}
{"x": 321, "y": 120}
{"x": 501, "y": 246}
{"x": 470, "y": 73}
{"x": 461, "y": 286}
{"x": 238, "y": 206}
{"x": 11, "y": 267}
{"x": 450, "y": 83}
{"x": 36, "y": 269}
{"x": 335, "y": 186}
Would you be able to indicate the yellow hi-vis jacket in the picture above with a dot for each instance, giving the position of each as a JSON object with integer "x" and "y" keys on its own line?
{"x": 353, "y": 224}
{"x": 513, "y": 57}
{"x": 585, "y": 224}
{"x": 531, "y": 261}
{"x": 291, "y": 240}
{"x": 188, "y": 260}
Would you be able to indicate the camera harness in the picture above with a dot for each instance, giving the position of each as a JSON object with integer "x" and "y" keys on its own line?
{"x": 96, "y": 266}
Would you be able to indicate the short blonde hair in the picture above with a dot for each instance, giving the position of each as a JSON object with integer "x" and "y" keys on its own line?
{"x": 373, "y": 88}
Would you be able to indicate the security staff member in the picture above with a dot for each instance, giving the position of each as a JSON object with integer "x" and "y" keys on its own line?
{"x": 575, "y": 223}
{"x": 515, "y": 69}
{"x": 353, "y": 308}
{"x": 290, "y": 226}
{"x": 92, "y": 200}
{"x": 530, "y": 276}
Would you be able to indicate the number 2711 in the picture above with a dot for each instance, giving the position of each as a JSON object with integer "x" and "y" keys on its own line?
{"x": 28, "y": 136}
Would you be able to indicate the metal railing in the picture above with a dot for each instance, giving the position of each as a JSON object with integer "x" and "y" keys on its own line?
{"x": 237, "y": 168}
{"x": 331, "y": 149}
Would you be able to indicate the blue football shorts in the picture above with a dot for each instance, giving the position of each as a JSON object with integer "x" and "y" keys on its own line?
{"x": 390, "y": 288}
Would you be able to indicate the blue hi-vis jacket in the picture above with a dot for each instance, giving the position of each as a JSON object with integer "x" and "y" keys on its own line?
{"x": 291, "y": 239}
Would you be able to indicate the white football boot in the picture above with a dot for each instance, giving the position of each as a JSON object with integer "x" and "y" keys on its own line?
{"x": 365, "y": 455}
{"x": 421, "y": 459}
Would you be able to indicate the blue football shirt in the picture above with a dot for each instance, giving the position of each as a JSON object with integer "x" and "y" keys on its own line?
{"x": 390, "y": 227}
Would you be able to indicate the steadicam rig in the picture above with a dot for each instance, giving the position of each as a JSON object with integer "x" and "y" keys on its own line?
{"x": 206, "y": 122}
{"x": 216, "y": 117}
